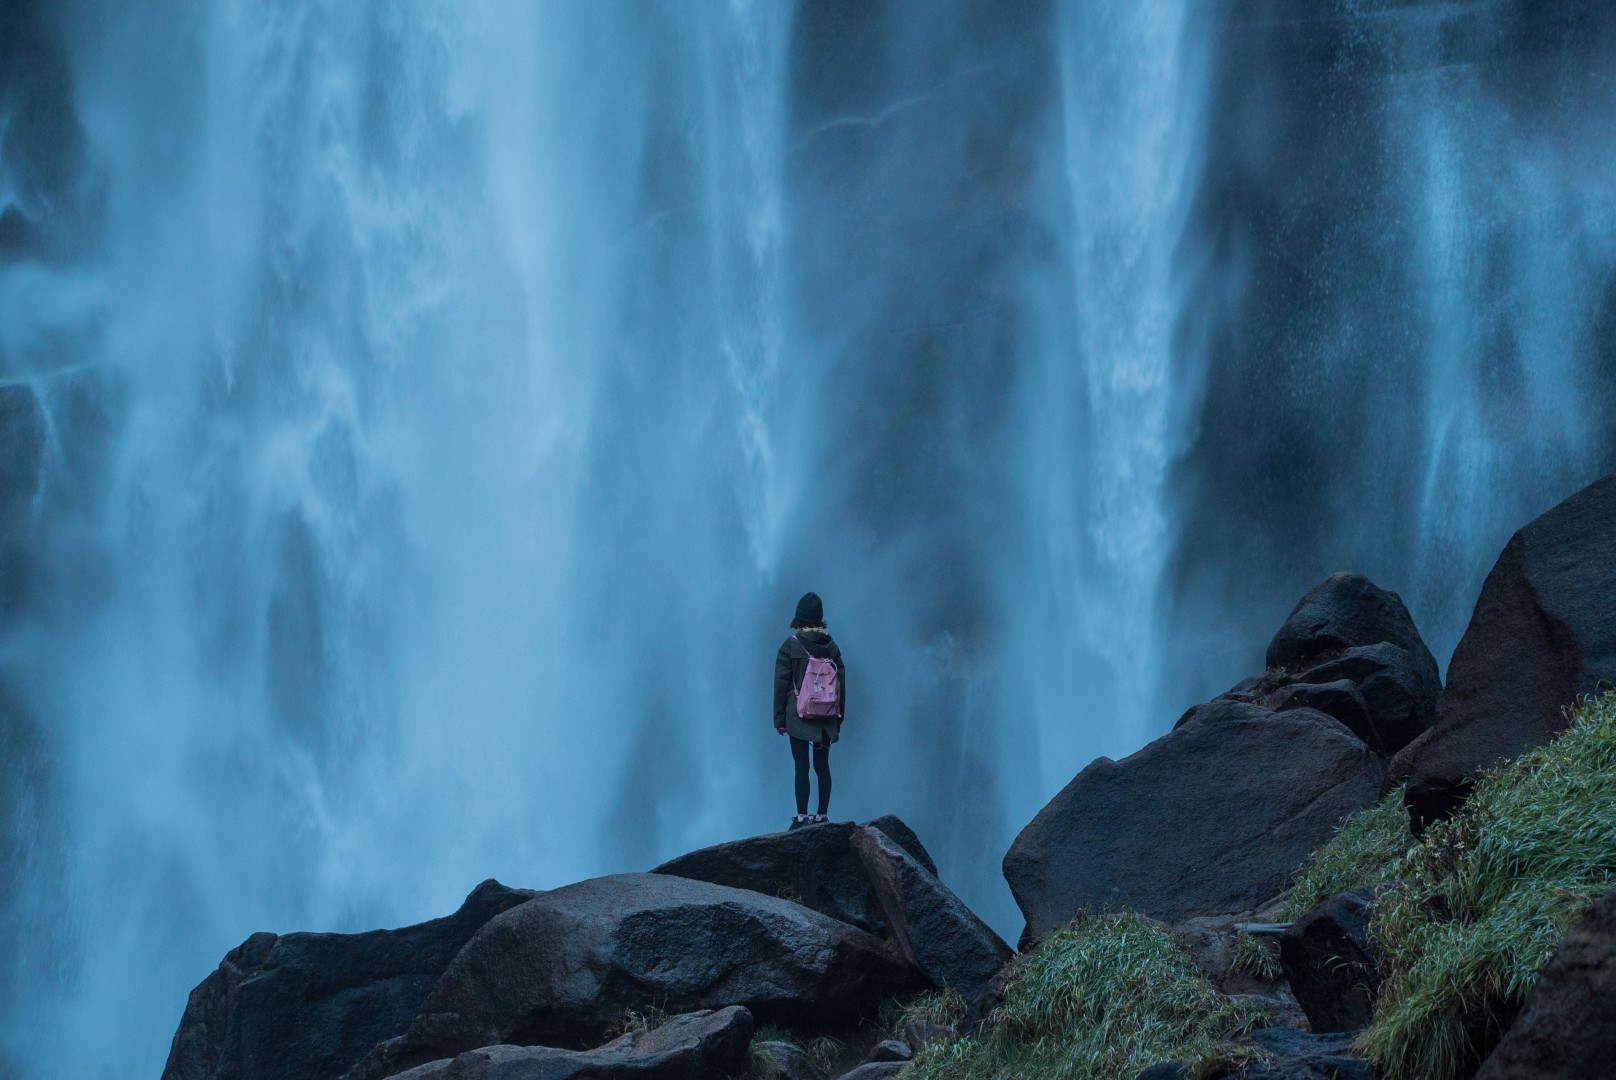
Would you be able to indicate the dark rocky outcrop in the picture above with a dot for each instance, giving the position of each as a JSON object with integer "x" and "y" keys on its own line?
{"x": 932, "y": 927}
{"x": 310, "y": 1005}
{"x": 1567, "y": 1028}
{"x": 1212, "y": 817}
{"x": 1341, "y": 612}
{"x": 1543, "y": 632}
{"x": 814, "y": 866}
{"x": 788, "y": 1061}
{"x": 694, "y": 1046}
{"x": 1324, "y": 658}
{"x": 562, "y": 967}
{"x": 1210, "y": 941}
{"x": 1331, "y": 963}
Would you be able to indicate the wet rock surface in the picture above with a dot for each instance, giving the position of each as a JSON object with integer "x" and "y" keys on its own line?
{"x": 1566, "y": 1030}
{"x": 1213, "y": 817}
{"x": 561, "y": 968}
{"x": 932, "y": 927}
{"x": 310, "y": 1005}
{"x": 1331, "y": 962}
{"x": 1543, "y": 632}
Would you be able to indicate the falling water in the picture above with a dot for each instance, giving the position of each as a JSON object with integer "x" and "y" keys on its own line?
{"x": 419, "y": 419}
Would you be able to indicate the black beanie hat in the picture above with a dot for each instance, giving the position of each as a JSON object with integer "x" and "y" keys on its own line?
{"x": 810, "y": 612}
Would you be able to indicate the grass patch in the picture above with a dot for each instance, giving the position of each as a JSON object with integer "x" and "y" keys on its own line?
{"x": 1257, "y": 957}
{"x": 1369, "y": 848}
{"x": 1486, "y": 897}
{"x": 1103, "y": 997}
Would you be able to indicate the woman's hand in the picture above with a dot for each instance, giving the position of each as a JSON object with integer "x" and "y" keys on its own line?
{"x": 780, "y": 730}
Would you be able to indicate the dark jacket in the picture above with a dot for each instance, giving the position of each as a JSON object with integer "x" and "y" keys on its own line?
{"x": 790, "y": 665}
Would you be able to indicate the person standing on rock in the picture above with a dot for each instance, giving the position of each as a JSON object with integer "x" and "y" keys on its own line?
{"x": 810, "y": 699}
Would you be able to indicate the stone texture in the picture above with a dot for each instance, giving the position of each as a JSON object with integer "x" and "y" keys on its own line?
{"x": 562, "y": 967}
{"x": 1566, "y": 1030}
{"x": 694, "y": 1046}
{"x": 788, "y": 1061}
{"x": 814, "y": 866}
{"x": 879, "y": 1070}
{"x": 1302, "y": 1055}
{"x": 310, "y": 1005}
{"x": 1543, "y": 632}
{"x": 1213, "y": 817}
{"x": 932, "y": 927}
{"x": 1339, "y": 613}
{"x": 1331, "y": 963}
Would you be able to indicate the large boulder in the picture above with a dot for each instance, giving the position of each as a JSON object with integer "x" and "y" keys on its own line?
{"x": 310, "y": 1005}
{"x": 1332, "y": 963}
{"x": 563, "y": 967}
{"x": 1567, "y": 1028}
{"x": 933, "y": 928}
{"x": 1341, "y": 612}
{"x": 1543, "y": 632}
{"x": 1213, "y": 817}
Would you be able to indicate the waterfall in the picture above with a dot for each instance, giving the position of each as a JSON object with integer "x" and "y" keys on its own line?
{"x": 420, "y": 419}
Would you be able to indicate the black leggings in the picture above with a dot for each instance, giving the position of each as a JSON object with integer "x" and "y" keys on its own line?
{"x": 799, "y": 754}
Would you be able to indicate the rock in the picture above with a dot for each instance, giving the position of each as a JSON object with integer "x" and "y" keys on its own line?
{"x": 920, "y": 1034}
{"x": 1212, "y": 817}
{"x": 816, "y": 867}
{"x": 302, "y": 1005}
{"x": 1210, "y": 941}
{"x": 889, "y": 1050}
{"x": 1567, "y": 1027}
{"x": 787, "y": 1061}
{"x": 693, "y": 1046}
{"x": 1542, "y": 633}
{"x": 905, "y": 838}
{"x": 932, "y": 927}
{"x": 1341, "y": 612}
{"x": 1339, "y": 700}
{"x": 1302, "y": 1055}
{"x": 562, "y": 967}
{"x": 880, "y": 1070}
{"x": 1333, "y": 967}
{"x": 1399, "y": 693}
{"x": 1167, "y": 1070}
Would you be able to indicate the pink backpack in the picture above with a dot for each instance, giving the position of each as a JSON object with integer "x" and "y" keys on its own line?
{"x": 820, "y": 694}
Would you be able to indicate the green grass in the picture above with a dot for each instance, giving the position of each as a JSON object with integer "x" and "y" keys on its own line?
{"x": 1368, "y": 848}
{"x": 1103, "y": 997}
{"x": 1486, "y": 897}
{"x": 821, "y": 1050}
{"x": 1256, "y": 957}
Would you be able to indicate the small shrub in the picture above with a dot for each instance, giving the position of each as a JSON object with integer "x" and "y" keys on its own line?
{"x": 1368, "y": 848}
{"x": 1488, "y": 894}
{"x": 1102, "y": 997}
{"x": 1256, "y": 957}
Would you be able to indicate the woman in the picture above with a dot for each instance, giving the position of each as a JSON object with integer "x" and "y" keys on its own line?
{"x": 823, "y": 724}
